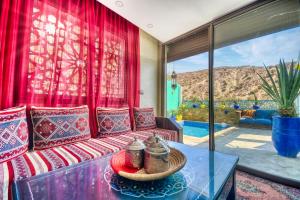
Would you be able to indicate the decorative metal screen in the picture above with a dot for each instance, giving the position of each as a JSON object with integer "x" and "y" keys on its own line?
{"x": 59, "y": 56}
{"x": 113, "y": 67}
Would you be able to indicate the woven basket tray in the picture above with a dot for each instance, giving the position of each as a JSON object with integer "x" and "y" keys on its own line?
{"x": 177, "y": 161}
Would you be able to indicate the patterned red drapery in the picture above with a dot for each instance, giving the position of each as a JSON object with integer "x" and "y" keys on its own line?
{"x": 67, "y": 53}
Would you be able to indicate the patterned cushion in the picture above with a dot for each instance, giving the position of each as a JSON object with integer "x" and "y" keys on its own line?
{"x": 58, "y": 126}
{"x": 248, "y": 113}
{"x": 144, "y": 118}
{"x": 113, "y": 121}
{"x": 13, "y": 133}
{"x": 163, "y": 133}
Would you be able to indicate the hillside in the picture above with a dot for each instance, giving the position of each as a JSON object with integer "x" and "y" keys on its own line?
{"x": 230, "y": 83}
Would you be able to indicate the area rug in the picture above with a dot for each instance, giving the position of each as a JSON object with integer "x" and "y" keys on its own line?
{"x": 254, "y": 188}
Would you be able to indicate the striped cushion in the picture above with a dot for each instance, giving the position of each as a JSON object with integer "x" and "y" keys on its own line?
{"x": 41, "y": 161}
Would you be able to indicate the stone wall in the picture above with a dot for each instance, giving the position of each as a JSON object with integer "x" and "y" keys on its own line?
{"x": 228, "y": 116}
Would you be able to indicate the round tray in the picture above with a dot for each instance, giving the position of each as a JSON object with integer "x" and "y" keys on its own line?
{"x": 177, "y": 161}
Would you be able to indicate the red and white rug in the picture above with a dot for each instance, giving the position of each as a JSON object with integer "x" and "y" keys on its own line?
{"x": 254, "y": 188}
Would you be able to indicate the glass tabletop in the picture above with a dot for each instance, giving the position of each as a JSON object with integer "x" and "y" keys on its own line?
{"x": 203, "y": 177}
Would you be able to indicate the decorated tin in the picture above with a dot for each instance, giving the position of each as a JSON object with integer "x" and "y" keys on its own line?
{"x": 134, "y": 156}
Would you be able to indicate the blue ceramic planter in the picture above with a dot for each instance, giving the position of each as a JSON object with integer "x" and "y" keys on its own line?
{"x": 196, "y": 105}
{"x": 173, "y": 118}
{"x": 236, "y": 106}
{"x": 286, "y": 135}
{"x": 255, "y": 107}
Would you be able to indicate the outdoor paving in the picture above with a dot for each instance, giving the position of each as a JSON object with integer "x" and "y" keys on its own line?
{"x": 255, "y": 150}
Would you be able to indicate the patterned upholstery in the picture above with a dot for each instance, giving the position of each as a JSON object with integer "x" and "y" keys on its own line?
{"x": 13, "y": 133}
{"x": 144, "y": 118}
{"x": 41, "y": 161}
{"x": 166, "y": 134}
{"x": 113, "y": 121}
{"x": 57, "y": 126}
{"x": 248, "y": 113}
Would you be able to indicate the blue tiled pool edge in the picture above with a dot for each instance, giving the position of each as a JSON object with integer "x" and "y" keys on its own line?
{"x": 198, "y": 129}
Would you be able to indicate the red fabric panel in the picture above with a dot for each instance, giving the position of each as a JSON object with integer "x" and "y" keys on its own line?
{"x": 67, "y": 53}
{"x": 15, "y": 25}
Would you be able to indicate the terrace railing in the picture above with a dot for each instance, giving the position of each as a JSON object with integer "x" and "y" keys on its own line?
{"x": 244, "y": 104}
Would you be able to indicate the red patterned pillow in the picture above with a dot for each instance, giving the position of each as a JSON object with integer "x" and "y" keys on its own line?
{"x": 13, "y": 133}
{"x": 58, "y": 126}
{"x": 144, "y": 118}
{"x": 112, "y": 121}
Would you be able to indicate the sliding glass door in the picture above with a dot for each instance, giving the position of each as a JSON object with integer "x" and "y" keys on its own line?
{"x": 244, "y": 46}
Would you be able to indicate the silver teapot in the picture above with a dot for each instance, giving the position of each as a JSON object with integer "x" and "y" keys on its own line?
{"x": 157, "y": 153}
{"x": 134, "y": 156}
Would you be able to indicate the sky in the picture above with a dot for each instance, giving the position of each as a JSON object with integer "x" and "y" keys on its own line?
{"x": 255, "y": 52}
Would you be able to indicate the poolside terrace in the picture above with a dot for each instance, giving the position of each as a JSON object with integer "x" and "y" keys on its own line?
{"x": 255, "y": 150}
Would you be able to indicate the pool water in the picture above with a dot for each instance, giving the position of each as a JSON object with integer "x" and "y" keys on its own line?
{"x": 199, "y": 129}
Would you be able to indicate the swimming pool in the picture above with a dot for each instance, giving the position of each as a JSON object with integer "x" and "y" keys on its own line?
{"x": 199, "y": 129}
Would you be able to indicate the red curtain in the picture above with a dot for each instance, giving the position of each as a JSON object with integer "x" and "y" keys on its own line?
{"x": 67, "y": 53}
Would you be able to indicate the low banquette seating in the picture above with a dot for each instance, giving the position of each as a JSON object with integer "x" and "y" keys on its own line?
{"x": 257, "y": 118}
{"x": 62, "y": 137}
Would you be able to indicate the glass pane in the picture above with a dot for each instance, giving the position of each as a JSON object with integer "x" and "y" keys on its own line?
{"x": 187, "y": 99}
{"x": 260, "y": 37}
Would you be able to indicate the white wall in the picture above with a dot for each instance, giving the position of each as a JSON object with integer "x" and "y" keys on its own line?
{"x": 149, "y": 52}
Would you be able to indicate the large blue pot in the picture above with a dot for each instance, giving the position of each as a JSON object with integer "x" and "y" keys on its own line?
{"x": 286, "y": 135}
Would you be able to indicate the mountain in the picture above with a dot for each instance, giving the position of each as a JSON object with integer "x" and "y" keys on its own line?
{"x": 230, "y": 83}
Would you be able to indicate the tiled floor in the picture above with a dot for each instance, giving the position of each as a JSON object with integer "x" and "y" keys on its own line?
{"x": 255, "y": 149}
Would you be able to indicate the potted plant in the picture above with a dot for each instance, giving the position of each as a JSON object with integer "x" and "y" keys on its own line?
{"x": 222, "y": 106}
{"x": 173, "y": 115}
{"x": 202, "y": 105}
{"x": 196, "y": 102}
{"x": 284, "y": 91}
{"x": 180, "y": 112}
{"x": 236, "y": 105}
{"x": 255, "y": 106}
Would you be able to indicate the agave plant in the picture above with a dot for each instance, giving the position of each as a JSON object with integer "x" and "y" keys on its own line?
{"x": 285, "y": 89}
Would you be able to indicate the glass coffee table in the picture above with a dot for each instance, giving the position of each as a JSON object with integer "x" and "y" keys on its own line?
{"x": 206, "y": 175}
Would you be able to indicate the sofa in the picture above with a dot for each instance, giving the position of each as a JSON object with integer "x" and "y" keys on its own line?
{"x": 257, "y": 118}
{"x": 61, "y": 137}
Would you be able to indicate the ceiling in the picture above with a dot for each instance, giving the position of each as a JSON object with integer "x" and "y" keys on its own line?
{"x": 167, "y": 19}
